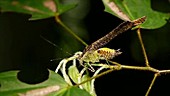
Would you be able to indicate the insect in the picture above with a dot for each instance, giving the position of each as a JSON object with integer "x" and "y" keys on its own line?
{"x": 94, "y": 53}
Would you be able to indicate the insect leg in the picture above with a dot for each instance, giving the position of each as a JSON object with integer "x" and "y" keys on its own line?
{"x": 59, "y": 65}
{"x": 80, "y": 77}
{"x": 63, "y": 71}
{"x": 91, "y": 68}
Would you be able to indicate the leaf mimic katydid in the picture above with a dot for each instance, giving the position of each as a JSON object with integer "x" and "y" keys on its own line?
{"x": 93, "y": 53}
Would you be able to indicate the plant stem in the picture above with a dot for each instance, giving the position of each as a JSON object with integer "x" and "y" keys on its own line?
{"x": 99, "y": 75}
{"x": 143, "y": 48}
{"x": 153, "y": 80}
{"x": 69, "y": 30}
{"x": 139, "y": 68}
{"x": 164, "y": 71}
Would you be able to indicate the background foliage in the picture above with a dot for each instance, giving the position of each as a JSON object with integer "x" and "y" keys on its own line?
{"x": 22, "y": 48}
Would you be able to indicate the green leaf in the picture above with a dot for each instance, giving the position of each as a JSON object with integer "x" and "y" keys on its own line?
{"x": 87, "y": 85}
{"x": 11, "y": 86}
{"x": 61, "y": 8}
{"x": 72, "y": 91}
{"x": 73, "y": 73}
{"x": 39, "y": 9}
{"x": 133, "y": 9}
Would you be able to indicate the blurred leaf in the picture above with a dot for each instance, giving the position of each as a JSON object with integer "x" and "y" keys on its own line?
{"x": 73, "y": 73}
{"x": 61, "y": 8}
{"x": 39, "y": 9}
{"x": 72, "y": 91}
{"x": 133, "y": 9}
{"x": 87, "y": 85}
{"x": 11, "y": 86}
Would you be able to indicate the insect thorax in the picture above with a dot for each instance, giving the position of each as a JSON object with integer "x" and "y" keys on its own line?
{"x": 90, "y": 56}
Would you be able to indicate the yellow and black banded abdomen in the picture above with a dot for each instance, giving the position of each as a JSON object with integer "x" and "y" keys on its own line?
{"x": 107, "y": 53}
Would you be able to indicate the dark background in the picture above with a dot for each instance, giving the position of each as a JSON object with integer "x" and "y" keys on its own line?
{"x": 21, "y": 48}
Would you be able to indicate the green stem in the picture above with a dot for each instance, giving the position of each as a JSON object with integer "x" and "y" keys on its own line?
{"x": 140, "y": 68}
{"x": 69, "y": 30}
{"x": 148, "y": 68}
{"x": 153, "y": 80}
{"x": 99, "y": 75}
{"x": 164, "y": 71}
{"x": 143, "y": 48}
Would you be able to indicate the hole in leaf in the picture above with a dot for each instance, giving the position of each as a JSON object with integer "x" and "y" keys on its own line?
{"x": 33, "y": 76}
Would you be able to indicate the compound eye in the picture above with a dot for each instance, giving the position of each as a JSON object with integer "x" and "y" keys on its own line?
{"x": 98, "y": 51}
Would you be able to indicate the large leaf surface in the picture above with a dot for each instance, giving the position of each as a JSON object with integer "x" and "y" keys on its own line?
{"x": 39, "y": 9}
{"x": 71, "y": 91}
{"x": 54, "y": 86}
{"x": 133, "y": 9}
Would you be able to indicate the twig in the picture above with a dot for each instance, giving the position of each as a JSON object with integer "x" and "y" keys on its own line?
{"x": 152, "y": 82}
{"x": 69, "y": 30}
{"x": 143, "y": 48}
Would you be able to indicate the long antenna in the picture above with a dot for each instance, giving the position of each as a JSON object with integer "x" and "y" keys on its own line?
{"x": 54, "y": 45}
{"x": 118, "y": 30}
